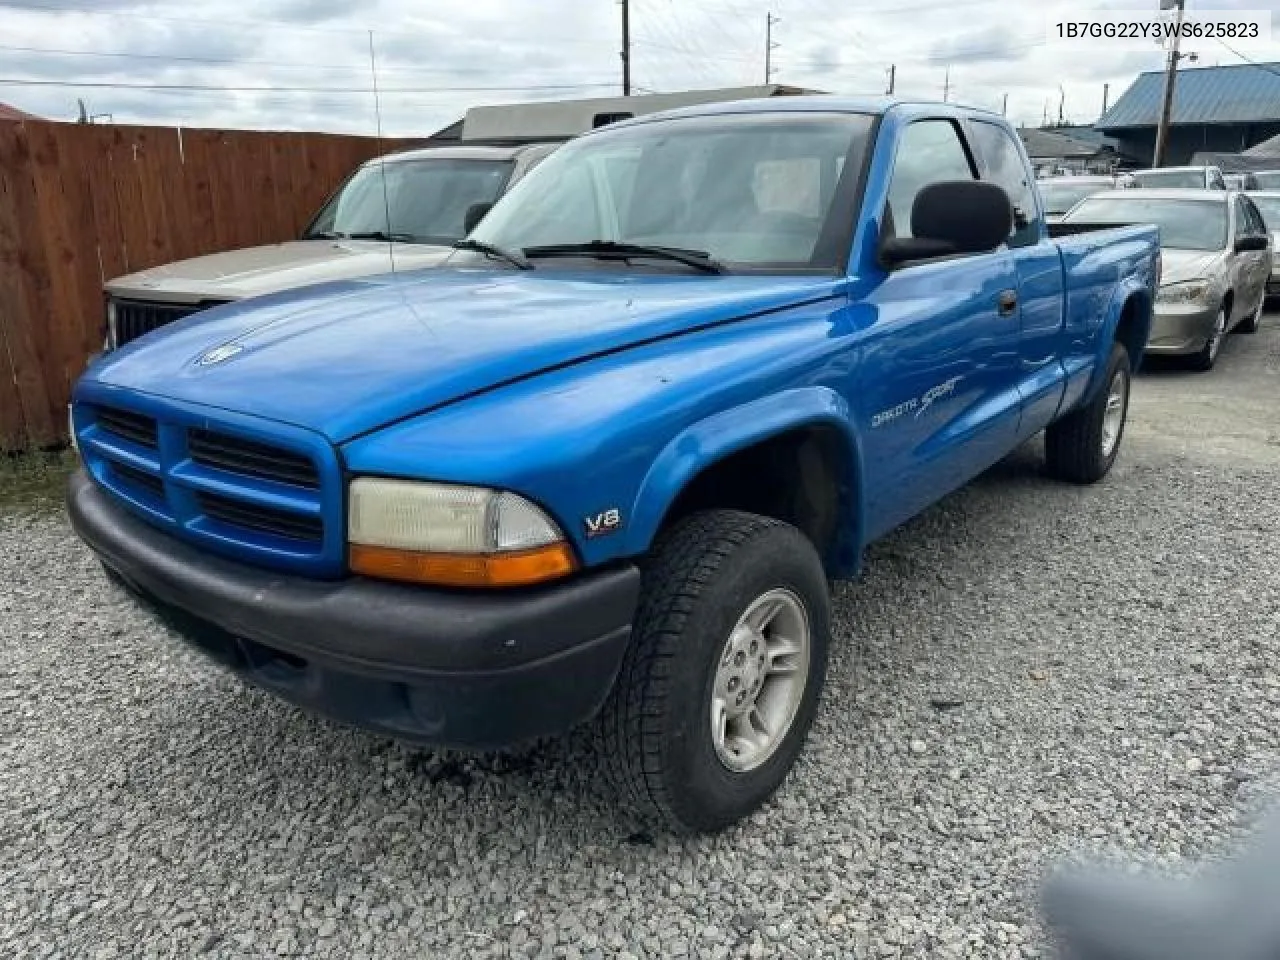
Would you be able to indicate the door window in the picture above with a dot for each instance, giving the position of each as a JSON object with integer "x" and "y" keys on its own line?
{"x": 1006, "y": 169}
{"x": 1256, "y": 226}
{"x": 930, "y": 151}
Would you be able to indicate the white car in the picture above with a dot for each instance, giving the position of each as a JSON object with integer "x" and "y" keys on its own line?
{"x": 406, "y": 209}
{"x": 1060, "y": 194}
{"x": 1180, "y": 178}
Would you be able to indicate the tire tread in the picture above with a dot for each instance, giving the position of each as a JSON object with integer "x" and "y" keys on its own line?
{"x": 630, "y": 731}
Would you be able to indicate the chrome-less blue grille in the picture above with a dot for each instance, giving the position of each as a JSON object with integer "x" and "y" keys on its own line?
{"x": 264, "y": 494}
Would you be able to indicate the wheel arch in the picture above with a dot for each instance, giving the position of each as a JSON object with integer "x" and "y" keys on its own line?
{"x": 807, "y": 429}
{"x": 1128, "y": 322}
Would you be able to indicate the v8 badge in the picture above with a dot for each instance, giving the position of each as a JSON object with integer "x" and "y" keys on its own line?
{"x": 603, "y": 524}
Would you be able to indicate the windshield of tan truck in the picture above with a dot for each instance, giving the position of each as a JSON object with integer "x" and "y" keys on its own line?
{"x": 427, "y": 200}
{"x": 749, "y": 191}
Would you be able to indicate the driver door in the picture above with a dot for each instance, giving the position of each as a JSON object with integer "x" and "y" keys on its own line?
{"x": 939, "y": 402}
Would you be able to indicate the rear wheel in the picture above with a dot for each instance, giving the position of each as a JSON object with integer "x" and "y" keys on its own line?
{"x": 1082, "y": 446}
{"x": 721, "y": 683}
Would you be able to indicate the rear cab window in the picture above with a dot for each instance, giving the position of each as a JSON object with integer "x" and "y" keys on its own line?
{"x": 1004, "y": 167}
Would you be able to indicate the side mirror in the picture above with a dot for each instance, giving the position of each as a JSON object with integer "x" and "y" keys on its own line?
{"x": 953, "y": 217}
{"x": 1251, "y": 243}
{"x": 475, "y": 213}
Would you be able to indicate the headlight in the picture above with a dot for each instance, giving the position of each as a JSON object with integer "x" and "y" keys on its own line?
{"x": 452, "y": 535}
{"x": 113, "y": 326}
{"x": 1192, "y": 291}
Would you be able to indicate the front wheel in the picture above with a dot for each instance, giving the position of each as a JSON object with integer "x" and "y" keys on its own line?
{"x": 1208, "y": 355}
{"x": 721, "y": 683}
{"x": 1083, "y": 446}
{"x": 1252, "y": 322}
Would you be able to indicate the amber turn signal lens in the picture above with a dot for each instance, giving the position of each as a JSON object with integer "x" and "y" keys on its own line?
{"x": 521, "y": 568}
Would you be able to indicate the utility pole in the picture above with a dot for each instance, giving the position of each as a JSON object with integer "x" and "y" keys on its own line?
{"x": 1106, "y": 98}
{"x": 1062, "y": 106}
{"x": 893, "y": 76}
{"x": 626, "y": 48}
{"x": 1170, "y": 82}
{"x": 1004, "y": 107}
{"x": 946, "y": 86}
{"x": 769, "y": 46}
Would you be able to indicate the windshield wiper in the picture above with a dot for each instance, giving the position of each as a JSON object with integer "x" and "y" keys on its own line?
{"x": 380, "y": 235}
{"x": 513, "y": 257}
{"x": 612, "y": 250}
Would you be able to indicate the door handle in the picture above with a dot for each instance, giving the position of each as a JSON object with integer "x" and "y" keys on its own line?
{"x": 1008, "y": 302}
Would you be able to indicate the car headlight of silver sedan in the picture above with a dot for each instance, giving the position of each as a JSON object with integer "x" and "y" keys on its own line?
{"x": 1191, "y": 292}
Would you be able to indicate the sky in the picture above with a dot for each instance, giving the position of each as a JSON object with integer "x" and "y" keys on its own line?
{"x": 306, "y": 64}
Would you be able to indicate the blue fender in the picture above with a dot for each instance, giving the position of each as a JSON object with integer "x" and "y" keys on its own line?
{"x": 1130, "y": 289}
{"x": 709, "y": 441}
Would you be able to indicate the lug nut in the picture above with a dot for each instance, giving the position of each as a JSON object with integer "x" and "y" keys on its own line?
{"x": 733, "y": 683}
{"x": 742, "y": 698}
{"x": 755, "y": 645}
{"x": 740, "y": 659}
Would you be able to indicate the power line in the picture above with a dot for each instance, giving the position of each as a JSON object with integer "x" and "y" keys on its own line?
{"x": 693, "y": 36}
{"x": 405, "y": 29}
{"x": 719, "y": 56}
{"x": 215, "y": 61}
{"x": 1253, "y": 63}
{"x": 109, "y": 85}
{"x": 696, "y": 62}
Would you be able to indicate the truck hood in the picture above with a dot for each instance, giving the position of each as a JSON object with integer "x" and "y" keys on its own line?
{"x": 344, "y": 359}
{"x": 1182, "y": 265}
{"x": 254, "y": 271}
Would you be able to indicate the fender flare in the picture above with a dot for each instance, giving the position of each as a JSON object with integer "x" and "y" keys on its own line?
{"x": 1129, "y": 291}
{"x": 708, "y": 441}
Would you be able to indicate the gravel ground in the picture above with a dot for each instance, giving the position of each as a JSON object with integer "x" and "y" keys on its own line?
{"x": 1026, "y": 672}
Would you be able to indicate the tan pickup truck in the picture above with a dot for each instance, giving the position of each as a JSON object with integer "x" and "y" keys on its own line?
{"x": 428, "y": 194}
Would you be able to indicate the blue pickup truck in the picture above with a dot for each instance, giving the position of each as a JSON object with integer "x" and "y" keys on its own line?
{"x": 603, "y": 465}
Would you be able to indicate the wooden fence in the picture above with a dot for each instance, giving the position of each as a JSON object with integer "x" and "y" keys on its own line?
{"x": 81, "y": 204}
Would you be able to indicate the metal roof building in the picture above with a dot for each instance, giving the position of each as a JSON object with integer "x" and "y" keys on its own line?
{"x": 1215, "y": 109}
{"x": 554, "y": 120}
{"x": 1066, "y": 148}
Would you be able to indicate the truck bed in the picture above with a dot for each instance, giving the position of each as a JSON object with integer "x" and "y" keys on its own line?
{"x": 1060, "y": 230}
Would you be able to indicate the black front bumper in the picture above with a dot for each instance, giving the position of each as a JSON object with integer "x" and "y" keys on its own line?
{"x": 463, "y": 669}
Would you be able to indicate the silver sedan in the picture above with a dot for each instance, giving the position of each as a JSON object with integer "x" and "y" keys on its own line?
{"x": 1216, "y": 255}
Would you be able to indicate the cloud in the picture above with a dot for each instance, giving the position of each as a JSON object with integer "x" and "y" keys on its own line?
{"x": 437, "y": 58}
{"x": 987, "y": 45}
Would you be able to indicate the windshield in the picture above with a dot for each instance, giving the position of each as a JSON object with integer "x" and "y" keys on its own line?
{"x": 1269, "y": 207}
{"x": 1184, "y": 224}
{"x": 428, "y": 199}
{"x": 1061, "y": 197}
{"x": 1170, "y": 178}
{"x": 752, "y": 191}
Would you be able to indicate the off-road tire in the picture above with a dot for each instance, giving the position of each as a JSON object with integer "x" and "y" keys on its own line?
{"x": 654, "y": 732}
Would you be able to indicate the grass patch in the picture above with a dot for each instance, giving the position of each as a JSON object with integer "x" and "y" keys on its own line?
{"x": 37, "y": 480}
